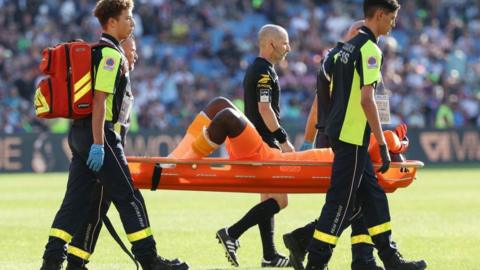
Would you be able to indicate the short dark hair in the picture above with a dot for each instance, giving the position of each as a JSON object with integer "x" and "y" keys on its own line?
{"x": 106, "y": 9}
{"x": 370, "y": 6}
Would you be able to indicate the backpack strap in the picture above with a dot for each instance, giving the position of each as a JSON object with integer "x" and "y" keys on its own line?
{"x": 117, "y": 239}
{"x": 107, "y": 43}
{"x": 157, "y": 173}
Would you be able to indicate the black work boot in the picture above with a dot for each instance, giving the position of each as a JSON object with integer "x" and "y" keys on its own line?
{"x": 71, "y": 266}
{"x": 366, "y": 266}
{"x": 314, "y": 262}
{"x": 296, "y": 249}
{"x": 159, "y": 263}
{"x": 51, "y": 265}
{"x": 397, "y": 262}
{"x": 311, "y": 266}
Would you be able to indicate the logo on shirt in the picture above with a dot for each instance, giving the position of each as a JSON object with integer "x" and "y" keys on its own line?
{"x": 372, "y": 62}
{"x": 109, "y": 63}
{"x": 264, "y": 95}
{"x": 265, "y": 78}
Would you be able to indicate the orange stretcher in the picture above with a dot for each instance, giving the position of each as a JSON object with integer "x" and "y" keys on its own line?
{"x": 219, "y": 174}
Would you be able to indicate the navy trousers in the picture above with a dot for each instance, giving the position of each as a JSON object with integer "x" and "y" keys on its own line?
{"x": 354, "y": 189}
{"x": 86, "y": 190}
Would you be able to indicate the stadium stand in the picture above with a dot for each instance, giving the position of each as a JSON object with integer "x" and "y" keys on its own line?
{"x": 193, "y": 50}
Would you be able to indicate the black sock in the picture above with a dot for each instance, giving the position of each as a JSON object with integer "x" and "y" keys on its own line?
{"x": 304, "y": 234}
{"x": 267, "y": 228}
{"x": 260, "y": 212}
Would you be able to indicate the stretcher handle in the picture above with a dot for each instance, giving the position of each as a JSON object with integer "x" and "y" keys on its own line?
{"x": 223, "y": 161}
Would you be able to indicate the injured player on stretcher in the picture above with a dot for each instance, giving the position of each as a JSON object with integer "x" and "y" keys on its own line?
{"x": 220, "y": 121}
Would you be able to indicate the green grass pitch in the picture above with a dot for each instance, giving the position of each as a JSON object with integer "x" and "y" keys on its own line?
{"x": 437, "y": 218}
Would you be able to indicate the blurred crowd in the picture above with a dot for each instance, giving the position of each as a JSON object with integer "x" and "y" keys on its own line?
{"x": 193, "y": 50}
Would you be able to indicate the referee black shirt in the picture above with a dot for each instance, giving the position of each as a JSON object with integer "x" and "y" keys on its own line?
{"x": 260, "y": 84}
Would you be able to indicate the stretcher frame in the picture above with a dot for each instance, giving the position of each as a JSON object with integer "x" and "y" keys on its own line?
{"x": 224, "y": 175}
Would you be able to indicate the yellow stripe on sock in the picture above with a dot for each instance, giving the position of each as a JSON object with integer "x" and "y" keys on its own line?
{"x": 202, "y": 145}
{"x": 200, "y": 121}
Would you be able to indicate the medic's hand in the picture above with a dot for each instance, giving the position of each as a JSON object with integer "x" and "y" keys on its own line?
{"x": 95, "y": 157}
{"x": 287, "y": 147}
{"x": 385, "y": 158}
{"x": 306, "y": 146}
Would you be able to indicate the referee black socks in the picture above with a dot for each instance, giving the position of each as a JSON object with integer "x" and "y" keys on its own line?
{"x": 261, "y": 212}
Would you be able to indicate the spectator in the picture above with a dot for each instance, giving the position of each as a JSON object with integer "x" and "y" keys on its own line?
{"x": 194, "y": 50}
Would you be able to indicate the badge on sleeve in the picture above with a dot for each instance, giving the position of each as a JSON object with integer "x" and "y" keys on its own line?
{"x": 264, "y": 95}
{"x": 372, "y": 62}
{"x": 265, "y": 79}
{"x": 109, "y": 63}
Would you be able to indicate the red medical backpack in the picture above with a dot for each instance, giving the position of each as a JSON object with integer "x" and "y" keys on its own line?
{"x": 67, "y": 90}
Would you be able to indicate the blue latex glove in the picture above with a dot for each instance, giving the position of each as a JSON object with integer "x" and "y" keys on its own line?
{"x": 306, "y": 146}
{"x": 95, "y": 157}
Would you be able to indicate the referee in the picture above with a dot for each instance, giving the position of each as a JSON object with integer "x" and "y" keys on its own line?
{"x": 262, "y": 98}
{"x": 352, "y": 117}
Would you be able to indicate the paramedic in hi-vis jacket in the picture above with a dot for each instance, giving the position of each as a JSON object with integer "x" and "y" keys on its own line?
{"x": 98, "y": 154}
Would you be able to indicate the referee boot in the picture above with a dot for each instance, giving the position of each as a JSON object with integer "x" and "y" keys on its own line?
{"x": 51, "y": 265}
{"x": 297, "y": 252}
{"x": 230, "y": 245}
{"x": 397, "y": 262}
{"x": 279, "y": 260}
